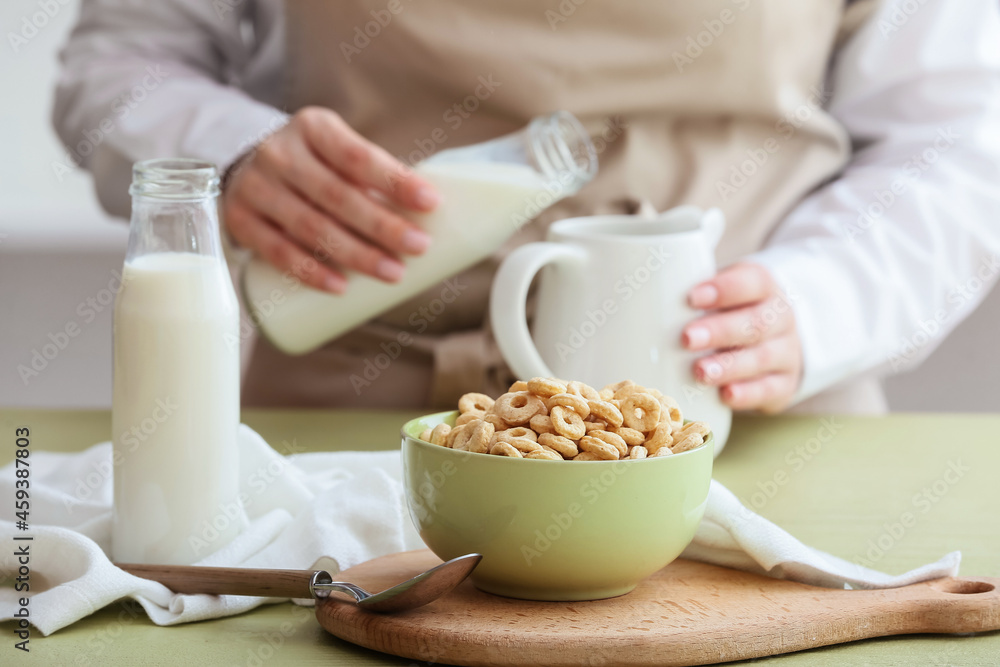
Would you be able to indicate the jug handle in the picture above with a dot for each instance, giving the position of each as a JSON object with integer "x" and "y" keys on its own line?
{"x": 507, "y": 304}
{"x": 714, "y": 224}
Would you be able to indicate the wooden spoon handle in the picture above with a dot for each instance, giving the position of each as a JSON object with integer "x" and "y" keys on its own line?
{"x": 227, "y": 580}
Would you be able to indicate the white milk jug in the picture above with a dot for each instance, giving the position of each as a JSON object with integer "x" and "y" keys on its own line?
{"x": 488, "y": 191}
{"x": 612, "y": 304}
{"x": 176, "y": 398}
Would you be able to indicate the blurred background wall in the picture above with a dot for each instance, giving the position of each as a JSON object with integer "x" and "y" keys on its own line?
{"x": 59, "y": 253}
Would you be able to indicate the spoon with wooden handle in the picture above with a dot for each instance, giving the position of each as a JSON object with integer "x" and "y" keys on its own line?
{"x": 416, "y": 592}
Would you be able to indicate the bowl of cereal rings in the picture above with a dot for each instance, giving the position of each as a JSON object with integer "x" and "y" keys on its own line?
{"x": 568, "y": 492}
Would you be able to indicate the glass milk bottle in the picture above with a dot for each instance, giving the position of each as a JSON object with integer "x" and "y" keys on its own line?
{"x": 488, "y": 191}
{"x": 176, "y": 401}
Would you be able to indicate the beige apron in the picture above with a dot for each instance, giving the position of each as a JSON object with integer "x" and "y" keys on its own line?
{"x": 712, "y": 103}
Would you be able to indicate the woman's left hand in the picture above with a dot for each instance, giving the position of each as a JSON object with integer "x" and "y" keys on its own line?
{"x": 756, "y": 354}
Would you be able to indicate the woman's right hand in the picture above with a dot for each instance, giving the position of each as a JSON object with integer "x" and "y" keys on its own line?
{"x": 302, "y": 200}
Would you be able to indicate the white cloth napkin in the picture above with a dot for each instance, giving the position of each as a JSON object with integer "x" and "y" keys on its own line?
{"x": 732, "y": 536}
{"x": 318, "y": 510}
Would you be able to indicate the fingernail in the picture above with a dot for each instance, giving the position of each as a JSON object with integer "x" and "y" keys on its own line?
{"x": 703, "y": 296}
{"x": 335, "y": 284}
{"x": 696, "y": 337}
{"x": 415, "y": 242}
{"x": 711, "y": 370}
{"x": 389, "y": 270}
{"x": 427, "y": 198}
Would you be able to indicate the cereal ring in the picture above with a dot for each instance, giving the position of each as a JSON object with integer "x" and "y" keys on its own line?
{"x": 564, "y": 446}
{"x": 567, "y": 422}
{"x": 576, "y": 403}
{"x": 505, "y": 449}
{"x": 689, "y": 441}
{"x": 475, "y": 402}
{"x": 627, "y": 390}
{"x": 612, "y": 439}
{"x": 673, "y": 410}
{"x": 480, "y": 434}
{"x": 467, "y": 417}
{"x": 556, "y": 455}
{"x": 522, "y": 444}
{"x": 631, "y": 436}
{"x": 663, "y": 451}
{"x": 455, "y": 434}
{"x": 546, "y": 387}
{"x": 518, "y": 408}
{"x": 582, "y": 389}
{"x": 547, "y": 454}
{"x": 517, "y": 432}
{"x": 701, "y": 428}
{"x": 425, "y": 435}
{"x": 609, "y": 412}
{"x": 606, "y": 451}
{"x": 541, "y": 424}
{"x": 587, "y": 456}
{"x": 596, "y": 426}
{"x": 605, "y": 394}
{"x": 615, "y": 386}
{"x": 641, "y": 411}
{"x": 498, "y": 424}
{"x": 520, "y": 385}
{"x": 638, "y": 452}
{"x": 439, "y": 433}
{"x": 661, "y": 437}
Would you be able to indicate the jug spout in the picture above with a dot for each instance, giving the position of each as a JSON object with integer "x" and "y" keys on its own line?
{"x": 688, "y": 218}
{"x": 647, "y": 211}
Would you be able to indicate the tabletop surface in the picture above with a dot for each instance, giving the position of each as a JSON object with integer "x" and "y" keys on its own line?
{"x": 837, "y": 483}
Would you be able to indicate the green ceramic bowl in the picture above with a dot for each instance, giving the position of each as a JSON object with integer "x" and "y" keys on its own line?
{"x": 554, "y": 530}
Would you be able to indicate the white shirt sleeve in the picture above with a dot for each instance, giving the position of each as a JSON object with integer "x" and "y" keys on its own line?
{"x": 881, "y": 263}
{"x": 158, "y": 79}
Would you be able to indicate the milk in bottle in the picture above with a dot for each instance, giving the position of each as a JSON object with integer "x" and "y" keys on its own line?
{"x": 175, "y": 408}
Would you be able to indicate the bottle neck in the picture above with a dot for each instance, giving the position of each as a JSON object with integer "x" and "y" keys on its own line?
{"x": 562, "y": 151}
{"x": 174, "y": 208}
{"x": 162, "y": 226}
{"x": 556, "y": 146}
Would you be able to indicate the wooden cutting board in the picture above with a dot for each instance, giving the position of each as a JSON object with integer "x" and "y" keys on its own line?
{"x": 686, "y": 614}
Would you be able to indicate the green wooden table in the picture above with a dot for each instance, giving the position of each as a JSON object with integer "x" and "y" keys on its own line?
{"x": 840, "y": 484}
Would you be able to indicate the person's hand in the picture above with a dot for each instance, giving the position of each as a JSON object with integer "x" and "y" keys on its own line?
{"x": 756, "y": 358}
{"x": 303, "y": 201}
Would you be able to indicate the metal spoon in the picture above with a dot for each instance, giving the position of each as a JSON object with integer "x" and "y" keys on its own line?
{"x": 421, "y": 589}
